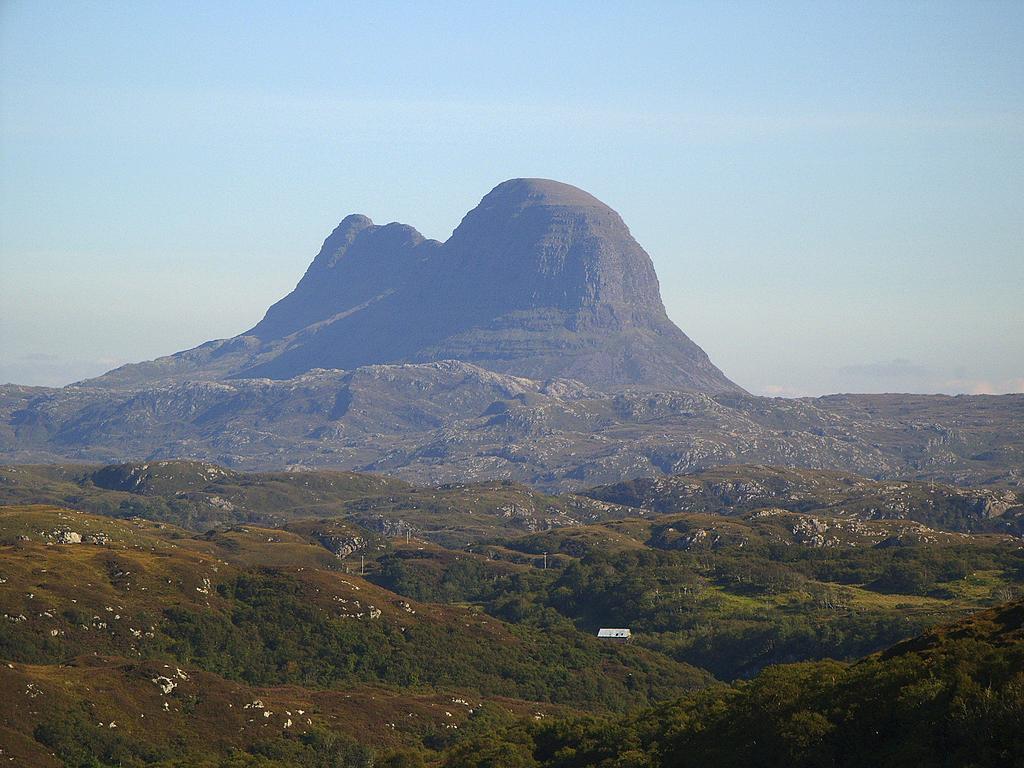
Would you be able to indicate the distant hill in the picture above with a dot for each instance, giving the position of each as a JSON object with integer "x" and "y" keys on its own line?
{"x": 204, "y": 496}
{"x": 456, "y": 422}
{"x": 735, "y": 490}
{"x": 540, "y": 280}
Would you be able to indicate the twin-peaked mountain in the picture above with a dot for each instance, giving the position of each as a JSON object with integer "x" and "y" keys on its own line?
{"x": 533, "y": 345}
{"x": 540, "y": 280}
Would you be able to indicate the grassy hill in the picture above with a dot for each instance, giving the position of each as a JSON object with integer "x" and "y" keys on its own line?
{"x": 202, "y": 496}
{"x": 729, "y": 594}
{"x": 249, "y": 609}
{"x": 952, "y": 697}
{"x": 187, "y": 493}
{"x": 409, "y": 624}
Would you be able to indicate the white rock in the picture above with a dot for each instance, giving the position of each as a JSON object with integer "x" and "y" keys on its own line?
{"x": 165, "y": 684}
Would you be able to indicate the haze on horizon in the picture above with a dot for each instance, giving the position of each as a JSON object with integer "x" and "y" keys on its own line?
{"x": 833, "y": 196}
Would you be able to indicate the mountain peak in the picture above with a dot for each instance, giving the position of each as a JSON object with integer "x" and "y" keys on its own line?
{"x": 340, "y": 239}
{"x": 541, "y": 192}
{"x": 354, "y": 222}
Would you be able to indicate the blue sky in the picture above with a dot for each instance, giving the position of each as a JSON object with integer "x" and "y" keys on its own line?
{"x": 833, "y": 194}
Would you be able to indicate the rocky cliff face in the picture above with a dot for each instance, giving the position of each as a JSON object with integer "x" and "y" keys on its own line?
{"x": 540, "y": 280}
{"x": 554, "y": 285}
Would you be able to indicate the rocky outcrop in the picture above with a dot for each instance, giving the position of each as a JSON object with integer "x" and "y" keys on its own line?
{"x": 65, "y": 536}
{"x": 341, "y": 546}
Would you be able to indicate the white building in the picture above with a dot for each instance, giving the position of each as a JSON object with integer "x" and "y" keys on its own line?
{"x": 617, "y": 635}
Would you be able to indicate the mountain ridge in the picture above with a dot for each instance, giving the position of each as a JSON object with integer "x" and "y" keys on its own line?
{"x": 453, "y": 421}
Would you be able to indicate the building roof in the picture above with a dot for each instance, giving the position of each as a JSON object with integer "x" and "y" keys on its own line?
{"x": 603, "y": 632}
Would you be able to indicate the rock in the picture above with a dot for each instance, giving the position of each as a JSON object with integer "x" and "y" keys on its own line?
{"x": 165, "y": 684}
{"x": 64, "y": 536}
{"x": 342, "y": 546}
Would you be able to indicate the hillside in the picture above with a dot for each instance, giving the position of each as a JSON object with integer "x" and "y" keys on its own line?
{"x": 764, "y": 565}
{"x": 738, "y": 489}
{"x": 728, "y": 594}
{"x": 953, "y": 697}
{"x": 306, "y": 617}
{"x": 131, "y": 642}
{"x": 202, "y": 496}
{"x": 170, "y": 627}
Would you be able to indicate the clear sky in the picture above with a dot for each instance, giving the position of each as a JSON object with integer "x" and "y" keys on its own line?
{"x": 833, "y": 194}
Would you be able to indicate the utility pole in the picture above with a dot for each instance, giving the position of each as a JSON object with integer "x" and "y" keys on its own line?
{"x": 362, "y": 564}
{"x": 545, "y": 561}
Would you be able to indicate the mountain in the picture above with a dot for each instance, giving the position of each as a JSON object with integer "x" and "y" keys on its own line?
{"x": 531, "y": 346}
{"x": 540, "y": 280}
